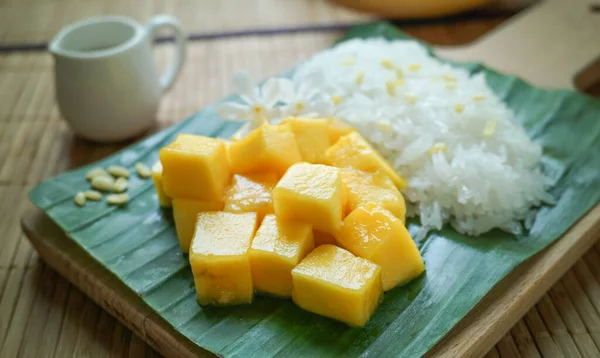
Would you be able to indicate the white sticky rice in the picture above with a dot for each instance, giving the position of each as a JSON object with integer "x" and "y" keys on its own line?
{"x": 468, "y": 163}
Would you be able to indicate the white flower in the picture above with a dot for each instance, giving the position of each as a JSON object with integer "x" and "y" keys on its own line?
{"x": 257, "y": 103}
{"x": 305, "y": 96}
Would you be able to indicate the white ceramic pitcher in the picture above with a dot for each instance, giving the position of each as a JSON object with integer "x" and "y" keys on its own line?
{"x": 107, "y": 85}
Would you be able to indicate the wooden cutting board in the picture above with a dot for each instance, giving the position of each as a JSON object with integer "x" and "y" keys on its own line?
{"x": 550, "y": 45}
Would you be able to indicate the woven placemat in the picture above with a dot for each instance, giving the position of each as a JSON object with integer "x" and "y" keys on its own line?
{"x": 32, "y": 23}
{"x": 38, "y": 20}
{"x": 42, "y": 314}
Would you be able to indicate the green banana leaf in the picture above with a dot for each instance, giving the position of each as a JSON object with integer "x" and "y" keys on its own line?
{"x": 138, "y": 242}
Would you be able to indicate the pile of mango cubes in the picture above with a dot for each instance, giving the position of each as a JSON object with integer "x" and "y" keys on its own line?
{"x": 305, "y": 209}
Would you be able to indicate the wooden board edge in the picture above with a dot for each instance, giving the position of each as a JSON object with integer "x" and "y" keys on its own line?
{"x": 519, "y": 291}
{"x": 537, "y": 44}
{"x": 103, "y": 287}
{"x": 483, "y": 327}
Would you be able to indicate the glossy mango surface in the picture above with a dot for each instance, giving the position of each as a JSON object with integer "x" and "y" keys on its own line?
{"x": 337, "y": 129}
{"x": 277, "y": 248}
{"x": 353, "y": 151}
{"x": 333, "y": 282}
{"x": 306, "y": 209}
{"x": 219, "y": 257}
{"x": 377, "y": 235}
{"x": 195, "y": 167}
{"x": 376, "y": 188}
{"x": 269, "y": 148}
{"x": 251, "y": 193}
{"x": 185, "y": 214}
{"x": 310, "y": 193}
{"x": 312, "y": 136}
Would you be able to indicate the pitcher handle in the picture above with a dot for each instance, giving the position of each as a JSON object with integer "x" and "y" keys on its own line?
{"x": 157, "y": 22}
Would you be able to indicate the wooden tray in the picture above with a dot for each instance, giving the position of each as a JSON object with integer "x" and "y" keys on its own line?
{"x": 548, "y": 45}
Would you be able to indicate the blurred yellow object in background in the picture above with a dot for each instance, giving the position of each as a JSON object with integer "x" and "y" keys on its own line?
{"x": 413, "y": 8}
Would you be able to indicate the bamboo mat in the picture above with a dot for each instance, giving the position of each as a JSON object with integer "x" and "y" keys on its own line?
{"x": 41, "y": 314}
{"x": 39, "y": 20}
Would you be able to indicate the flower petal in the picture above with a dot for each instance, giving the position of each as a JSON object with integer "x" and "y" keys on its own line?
{"x": 310, "y": 84}
{"x": 288, "y": 94}
{"x": 289, "y": 110}
{"x": 244, "y": 84}
{"x": 233, "y": 111}
{"x": 321, "y": 108}
{"x": 272, "y": 91}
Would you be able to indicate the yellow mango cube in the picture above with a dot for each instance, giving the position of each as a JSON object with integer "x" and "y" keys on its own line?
{"x": 375, "y": 234}
{"x": 323, "y": 238}
{"x": 277, "y": 248}
{"x": 242, "y": 131}
{"x": 353, "y": 151}
{"x": 332, "y": 282}
{"x": 312, "y": 137}
{"x": 219, "y": 258}
{"x": 377, "y": 188}
{"x": 310, "y": 193}
{"x": 268, "y": 148}
{"x": 337, "y": 128}
{"x": 163, "y": 200}
{"x": 185, "y": 213}
{"x": 195, "y": 167}
{"x": 251, "y": 193}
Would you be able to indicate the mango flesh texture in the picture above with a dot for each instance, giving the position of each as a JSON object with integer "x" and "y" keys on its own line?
{"x": 323, "y": 238}
{"x": 185, "y": 214}
{"x": 310, "y": 193}
{"x": 195, "y": 167}
{"x": 377, "y": 188}
{"x": 219, "y": 258}
{"x": 269, "y": 148}
{"x": 251, "y": 193}
{"x": 163, "y": 200}
{"x": 241, "y": 132}
{"x": 334, "y": 283}
{"x": 277, "y": 248}
{"x": 353, "y": 151}
{"x": 312, "y": 137}
{"x": 337, "y": 129}
{"x": 375, "y": 234}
